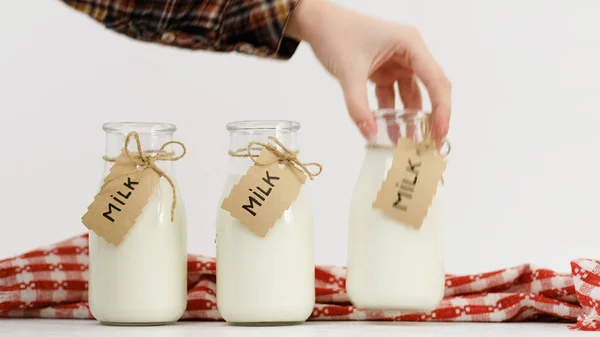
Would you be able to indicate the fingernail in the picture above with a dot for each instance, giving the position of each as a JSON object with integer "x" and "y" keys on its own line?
{"x": 367, "y": 131}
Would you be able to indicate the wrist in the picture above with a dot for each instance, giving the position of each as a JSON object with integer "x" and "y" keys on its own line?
{"x": 306, "y": 20}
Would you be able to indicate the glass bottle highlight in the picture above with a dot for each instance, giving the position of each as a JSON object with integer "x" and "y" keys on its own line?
{"x": 392, "y": 266}
{"x": 143, "y": 280}
{"x": 266, "y": 279}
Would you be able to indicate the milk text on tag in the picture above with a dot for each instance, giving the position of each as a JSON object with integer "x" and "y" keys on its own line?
{"x": 263, "y": 195}
{"x": 410, "y": 185}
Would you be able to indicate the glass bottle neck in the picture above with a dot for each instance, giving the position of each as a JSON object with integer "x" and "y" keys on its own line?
{"x": 244, "y": 133}
{"x": 239, "y": 140}
{"x": 115, "y": 142}
{"x": 395, "y": 124}
{"x": 152, "y": 137}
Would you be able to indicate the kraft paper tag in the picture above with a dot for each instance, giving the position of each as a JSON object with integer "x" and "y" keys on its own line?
{"x": 264, "y": 193}
{"x": 116, "y": 207}
{"x": 410, "y": 185}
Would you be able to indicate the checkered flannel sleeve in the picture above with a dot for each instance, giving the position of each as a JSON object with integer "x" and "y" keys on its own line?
{"x": 248, "y": 26}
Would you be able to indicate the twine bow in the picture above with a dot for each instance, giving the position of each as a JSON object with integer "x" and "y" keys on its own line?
{"x": 428, "y": 142}
{"x": 147, "y": 160}
{"x": 284, "y": 156}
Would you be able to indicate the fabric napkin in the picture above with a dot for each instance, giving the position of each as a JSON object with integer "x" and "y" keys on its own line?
{"x": 52, "y": 283}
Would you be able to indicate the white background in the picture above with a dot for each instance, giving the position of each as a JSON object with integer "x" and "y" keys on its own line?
{"x": 522, "y": 180}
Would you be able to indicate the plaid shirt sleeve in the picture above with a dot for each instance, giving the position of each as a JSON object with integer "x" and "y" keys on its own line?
{"x": 248, "y": 26}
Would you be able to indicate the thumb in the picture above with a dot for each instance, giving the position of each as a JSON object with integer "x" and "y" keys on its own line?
{"x": 357, "y": 101}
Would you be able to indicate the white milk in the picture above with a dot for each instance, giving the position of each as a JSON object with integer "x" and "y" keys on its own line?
{"x": 144, "y": 279}
{"x": 392, "y": 266}
{"x": 270, "y": 279}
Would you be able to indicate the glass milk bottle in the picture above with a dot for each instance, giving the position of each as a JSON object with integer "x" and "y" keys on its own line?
{"x": 392, "y": 266}
{"x": 264, "y": 279}
{"x": 143, "y": 280}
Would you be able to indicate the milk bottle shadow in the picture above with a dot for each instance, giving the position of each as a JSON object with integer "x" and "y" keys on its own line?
{"x": 289, "y": 330}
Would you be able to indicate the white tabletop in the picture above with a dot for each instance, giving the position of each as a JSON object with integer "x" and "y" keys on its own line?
{"x": 75, "y": 328}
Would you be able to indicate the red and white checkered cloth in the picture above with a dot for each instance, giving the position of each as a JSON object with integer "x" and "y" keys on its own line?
{"x": 52, "y": 283}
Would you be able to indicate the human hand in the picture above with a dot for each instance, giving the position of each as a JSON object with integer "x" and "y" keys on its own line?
{"x": 356, "y": 48}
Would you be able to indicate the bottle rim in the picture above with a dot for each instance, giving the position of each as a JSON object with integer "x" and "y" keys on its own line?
{"x": 401, "y": 114}
{"x": 140, "y": 127}
{"x": 257, "y": 125}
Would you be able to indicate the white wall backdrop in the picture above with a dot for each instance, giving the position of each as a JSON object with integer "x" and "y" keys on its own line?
{"x": 523, "y": 176}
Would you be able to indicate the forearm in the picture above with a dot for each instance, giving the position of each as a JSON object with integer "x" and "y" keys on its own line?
{"x": 249, "y": 26}
{"x": 305, "y": 23}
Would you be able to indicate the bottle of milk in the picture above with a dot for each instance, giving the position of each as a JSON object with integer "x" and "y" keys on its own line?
{"x": 143, "y": 280}
{"x": 392, "y": 266}
{"x": 266, "y": 279}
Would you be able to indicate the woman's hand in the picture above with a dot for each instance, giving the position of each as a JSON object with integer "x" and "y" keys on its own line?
{"x": 356, "y": 48}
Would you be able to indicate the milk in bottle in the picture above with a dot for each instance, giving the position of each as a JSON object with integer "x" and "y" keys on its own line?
{"x": 143, "y": 280}
{"x": 264, "y": 279}
{"x": 392, "y": 266}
